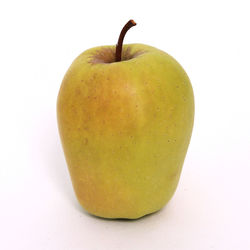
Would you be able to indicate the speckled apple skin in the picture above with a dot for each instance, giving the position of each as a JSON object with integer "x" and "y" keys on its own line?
{"x": 125, "y": 128}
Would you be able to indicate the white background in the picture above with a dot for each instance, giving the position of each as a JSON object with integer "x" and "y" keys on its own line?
{"x": 40, "y": 39}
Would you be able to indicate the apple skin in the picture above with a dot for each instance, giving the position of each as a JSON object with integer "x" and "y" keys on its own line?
{"x": 125, "y": 128}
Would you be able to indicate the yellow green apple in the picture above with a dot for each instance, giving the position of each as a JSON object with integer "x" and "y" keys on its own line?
{"x": 125, "y": 126}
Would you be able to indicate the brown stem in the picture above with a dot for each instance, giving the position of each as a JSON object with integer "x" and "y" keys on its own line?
{"x": 118, "y": 51}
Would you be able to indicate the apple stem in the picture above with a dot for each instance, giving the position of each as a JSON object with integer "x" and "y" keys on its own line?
{"x": 118, "y": 51}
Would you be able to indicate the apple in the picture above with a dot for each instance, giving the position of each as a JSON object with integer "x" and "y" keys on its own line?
{"x": 125, "y": 117}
